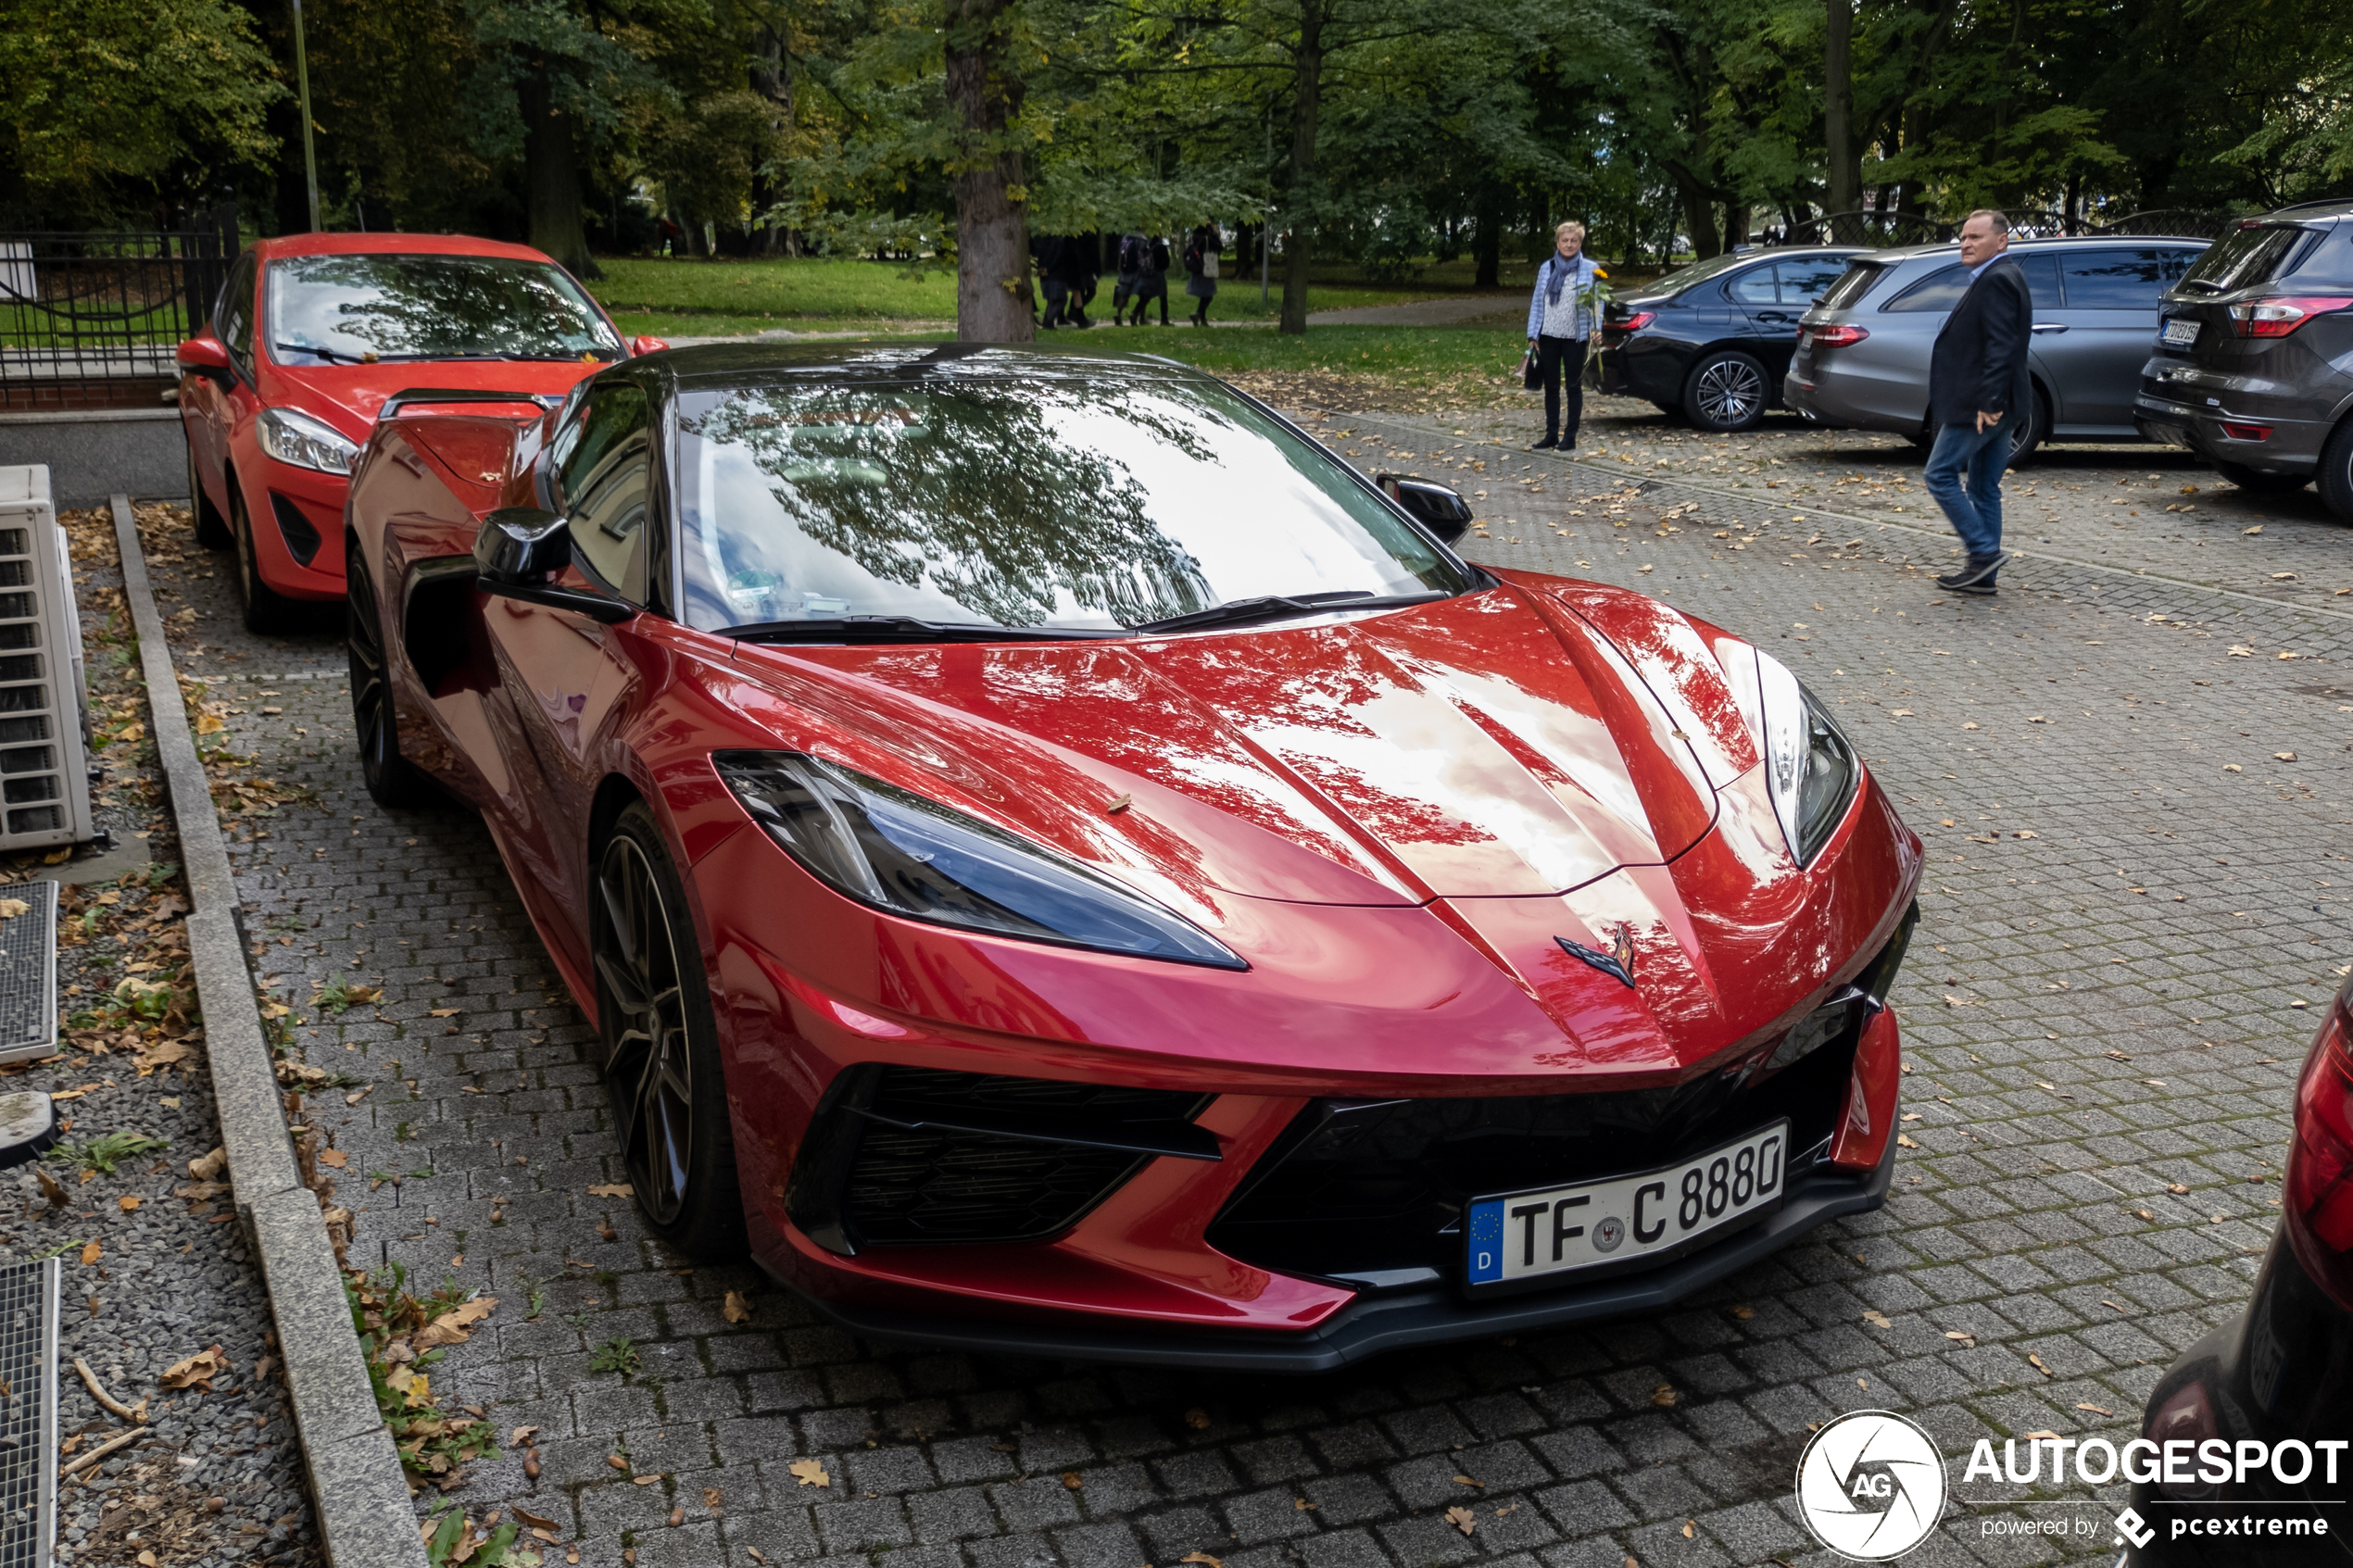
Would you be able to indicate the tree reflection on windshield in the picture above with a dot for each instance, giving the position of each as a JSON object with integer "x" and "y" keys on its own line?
{"x": 393, "y": 306}
{"x": 1096, "y": 501}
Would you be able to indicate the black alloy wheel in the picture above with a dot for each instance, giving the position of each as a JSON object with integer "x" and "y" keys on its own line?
{"x": 211, "y": 533}
{"x": 2025, "y": 439}
{"x": 1726, "y": 392}
{"x": 268, "y": 612}
{"x": 659, "y": 1044}
{"x": 2335, "y": 472}
{"x": 2262, "y": 482}
{"x": 391, "y": 780}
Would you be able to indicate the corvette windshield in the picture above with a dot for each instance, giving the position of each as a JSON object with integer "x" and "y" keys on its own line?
{"x": 1093, "y": 503}
{"x": 359, "y": 309}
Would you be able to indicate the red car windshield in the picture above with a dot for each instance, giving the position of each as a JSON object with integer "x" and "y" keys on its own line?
{"x": 363, "y": 310}
{"x": 1092, "y": 503}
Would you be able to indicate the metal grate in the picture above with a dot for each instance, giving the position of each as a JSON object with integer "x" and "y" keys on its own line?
{"x": 29, "y": 972}
{"x": 29, "y": 1413}
{"x": 45, "y": 780}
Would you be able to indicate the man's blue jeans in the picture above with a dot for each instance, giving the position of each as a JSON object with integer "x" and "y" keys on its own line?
{"x": 1964, "y": 455}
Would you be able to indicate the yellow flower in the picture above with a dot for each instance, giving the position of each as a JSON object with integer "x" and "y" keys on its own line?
{"x": 1601, "y": 272}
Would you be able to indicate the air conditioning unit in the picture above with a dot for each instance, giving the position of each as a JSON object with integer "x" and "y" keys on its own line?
{"x": 44, "y": 705}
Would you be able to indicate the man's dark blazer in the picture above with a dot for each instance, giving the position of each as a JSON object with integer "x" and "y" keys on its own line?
{"x": 1980, "y": 360}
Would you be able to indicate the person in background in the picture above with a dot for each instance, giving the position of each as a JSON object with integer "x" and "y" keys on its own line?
{"x": 1086, "y": 256}
{"x": 1152, "y": 279}
{"x": 1047, "y": 250}
{"x": 1559, "y": 326}
{"x": 1977, "y": 378}
{"x": 1134, "y": 251}
{"x": 1200, "y": 263}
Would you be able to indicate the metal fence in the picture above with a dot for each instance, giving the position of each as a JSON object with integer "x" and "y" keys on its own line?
{"x": 90, "y": 319}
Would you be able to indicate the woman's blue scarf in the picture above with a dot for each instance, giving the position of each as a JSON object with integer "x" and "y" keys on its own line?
{"x": 1553, "y": 278}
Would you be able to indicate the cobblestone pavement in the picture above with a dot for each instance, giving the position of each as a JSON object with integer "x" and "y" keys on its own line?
{"x": 2124, "y": 947}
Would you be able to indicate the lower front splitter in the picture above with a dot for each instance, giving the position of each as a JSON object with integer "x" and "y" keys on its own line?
{"x": 1375, "y": 1324}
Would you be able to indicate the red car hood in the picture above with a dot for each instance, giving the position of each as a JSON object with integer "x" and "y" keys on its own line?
{"x": 1489, "y": 745}
{"x": 347, "y": 396}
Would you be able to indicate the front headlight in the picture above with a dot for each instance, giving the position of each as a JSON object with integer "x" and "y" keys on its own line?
{"x": 305, "y": 442}
{"x": 1810, "y": 771}
{"x": 896, "y": 852}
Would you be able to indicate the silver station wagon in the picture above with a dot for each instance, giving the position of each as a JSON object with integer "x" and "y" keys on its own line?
{"x": 1863, "y": 352}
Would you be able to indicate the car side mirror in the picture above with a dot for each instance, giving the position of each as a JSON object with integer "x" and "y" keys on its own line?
{"x": 648, "y": 345}
{"x": 1442, "y": 512}
{"x": 518, "y": 554}
{"x": 206, "y": 356}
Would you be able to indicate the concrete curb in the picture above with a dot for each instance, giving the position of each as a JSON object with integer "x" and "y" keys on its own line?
{"x": 365, "y": 1517}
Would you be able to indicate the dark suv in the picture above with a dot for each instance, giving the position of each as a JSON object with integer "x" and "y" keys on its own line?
{"x": 1712, "y": 341}
{"x": 2253, "y": 367}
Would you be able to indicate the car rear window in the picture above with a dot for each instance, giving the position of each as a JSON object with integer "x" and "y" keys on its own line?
{"x": 1804, "y": 282}
{"x": 1852, "y": 284}
{"x": 2115, "y": 279}
{"x": 1697, "y": 272}
{"x": 2246, "y": 255}
{"x": 1940, "y": 291}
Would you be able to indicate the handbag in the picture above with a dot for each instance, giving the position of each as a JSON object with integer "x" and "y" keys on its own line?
{"x": 1531, "y": 375}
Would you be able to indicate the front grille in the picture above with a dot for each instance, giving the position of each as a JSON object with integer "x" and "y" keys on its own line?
{"x": 302, "y": 539}
{"x": 903, "y": 1155}
{"x": 1377, "y": 1189}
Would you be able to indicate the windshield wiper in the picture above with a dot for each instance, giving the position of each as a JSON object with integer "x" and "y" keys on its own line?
{"x": 902, "y": 629}
{"x": 1278, "y": 607}
{"x": 332, "y": 357}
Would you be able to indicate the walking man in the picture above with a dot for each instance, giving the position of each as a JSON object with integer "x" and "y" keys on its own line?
{"x": 1558, "y": 325}
{"x": 1978, "y": 394}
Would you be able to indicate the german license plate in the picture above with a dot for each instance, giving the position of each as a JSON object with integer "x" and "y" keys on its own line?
{"x": 2180, "y": 333}
{"x": 1559, "y": 1231}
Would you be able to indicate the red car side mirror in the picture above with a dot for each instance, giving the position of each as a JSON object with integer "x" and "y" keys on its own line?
{"x": 206, "y": 356}
{"x": 648, "y": 345}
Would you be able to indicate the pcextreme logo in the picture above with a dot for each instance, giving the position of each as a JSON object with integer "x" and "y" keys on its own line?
{"x": 1872, "y": 1486}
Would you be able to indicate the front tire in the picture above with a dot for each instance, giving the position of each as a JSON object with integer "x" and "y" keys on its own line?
{"x": 2335, "y": 472}
{"x": 1726, "y": 392}
{"x": 2262, "y": 483}
{"x": 2027, "y": 439}
{"x": 393, "y": 780}
{"x": 212, "y": 532}
{"x": 268, "y": 612}
{"x": 661, "y": 1045}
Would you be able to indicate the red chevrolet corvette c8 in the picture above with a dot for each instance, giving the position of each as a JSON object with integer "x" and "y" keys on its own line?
{"x": 1060, "y": 862}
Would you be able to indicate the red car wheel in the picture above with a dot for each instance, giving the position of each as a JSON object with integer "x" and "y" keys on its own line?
{"x": 661, "y": 1045}
{"x": 267, "y": 611}
{"x": 391, "y": 779}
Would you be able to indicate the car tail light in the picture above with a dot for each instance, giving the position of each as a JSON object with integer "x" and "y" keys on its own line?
{"x": 1838, "y": 337}
{"x": 2278, "y": 318}
{"x": 2318, "y": 1199}
{"x": 2237, "y": 431}
{"x": 1638, "y": 321}
{"x": 2186, "y": 1417}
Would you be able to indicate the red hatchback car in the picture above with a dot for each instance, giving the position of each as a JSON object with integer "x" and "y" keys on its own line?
{"x": 311, "y": 334}
{"x": 1060, "y": 862}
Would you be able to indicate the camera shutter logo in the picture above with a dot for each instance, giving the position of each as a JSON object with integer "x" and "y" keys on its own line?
{"x": 1872, "y": 1486}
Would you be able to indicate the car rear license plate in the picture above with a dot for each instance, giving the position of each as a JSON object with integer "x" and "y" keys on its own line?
{"x": 1562, "y": 1230}
{"x": 2180, "y": 333}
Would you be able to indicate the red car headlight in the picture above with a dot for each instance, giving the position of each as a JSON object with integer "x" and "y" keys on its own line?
{"x": 894, "y": 850}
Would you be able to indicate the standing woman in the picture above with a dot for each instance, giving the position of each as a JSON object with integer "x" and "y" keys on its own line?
{"x": 1559, "y": 326}
{"x": 1201, "y": 261}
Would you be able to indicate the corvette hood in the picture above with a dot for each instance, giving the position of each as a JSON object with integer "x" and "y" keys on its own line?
{"x": 1492, "y": 746}
{"x": 348, "y": 396}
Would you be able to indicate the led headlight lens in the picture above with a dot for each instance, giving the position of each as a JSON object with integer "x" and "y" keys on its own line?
{"x": 1810, "y": 770}
{"x": 305, "y": 442}
{"x": 895, "y": 850}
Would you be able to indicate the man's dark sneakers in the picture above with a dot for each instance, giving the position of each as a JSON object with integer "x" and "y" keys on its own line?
{"x": 1975, "y": 577}
{"x": 1547, "y": 444}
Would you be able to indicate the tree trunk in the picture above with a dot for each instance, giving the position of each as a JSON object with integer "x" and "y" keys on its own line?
{"x": 1838, "y": 108}
{"x": 1699, "y": 219}
{"x": 771, "y": 78}
{"x": 1307, "y": 96}
{"x": 1735, "y": 225}
{"x": 1487, "y": 244}
{"x": 993, "y": 296}
{"x": 551, "y": 177}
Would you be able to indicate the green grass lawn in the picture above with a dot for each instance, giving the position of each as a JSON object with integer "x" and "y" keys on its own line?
{"x": 716, "y": 298}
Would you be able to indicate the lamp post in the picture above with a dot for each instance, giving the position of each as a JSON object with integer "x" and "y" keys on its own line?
{"x": 302, "y": 88}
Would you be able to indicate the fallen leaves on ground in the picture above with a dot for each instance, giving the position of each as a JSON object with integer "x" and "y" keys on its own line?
{"x": 1462, "y": 1518}
{"x": 612, "y": 1189}
{"x": 197, "y": 1371}
{"x": 809, "y": 1472}
{"x": 735, "y": 1309}
{"x": 1197, "y": 1419}
{"x": 450, "y": 1327}
{"x": 1877, "y": 1319}
{"x": 91, "y": 1252}
{"x": 1665, "y": 1396}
